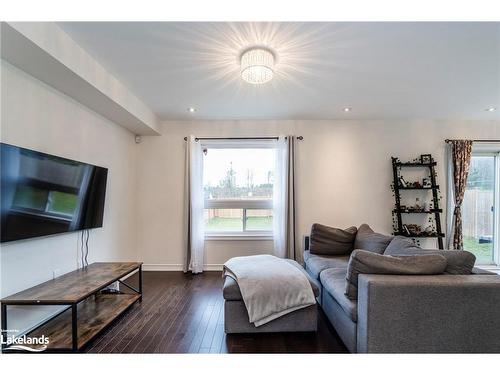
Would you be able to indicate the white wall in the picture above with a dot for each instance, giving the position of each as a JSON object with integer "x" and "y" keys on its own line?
{"x": 38, "y": 117}
{"x": 343, "y": 176}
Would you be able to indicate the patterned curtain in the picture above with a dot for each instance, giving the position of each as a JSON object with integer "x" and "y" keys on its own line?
{"x": 461, "y": 151}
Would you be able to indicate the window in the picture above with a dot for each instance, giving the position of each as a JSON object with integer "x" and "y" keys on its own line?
{"x": 238, "y": 188}
{"x": 480, "y": 208}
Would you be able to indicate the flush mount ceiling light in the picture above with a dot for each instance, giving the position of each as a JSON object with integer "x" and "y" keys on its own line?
{"x": 257, "y": 65}
{"x": 491, "y": 109}
{"x": 191, "y": 110}
{"x": 347, "y": 109}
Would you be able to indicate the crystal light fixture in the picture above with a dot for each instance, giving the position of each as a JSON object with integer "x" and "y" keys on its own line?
{"x": 257, "y": 65}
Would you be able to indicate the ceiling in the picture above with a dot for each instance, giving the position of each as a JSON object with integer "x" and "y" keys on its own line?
{"x": 380, "y": 70}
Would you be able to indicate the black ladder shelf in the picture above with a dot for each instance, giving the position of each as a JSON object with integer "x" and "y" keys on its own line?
{"x": 436, "y": 210}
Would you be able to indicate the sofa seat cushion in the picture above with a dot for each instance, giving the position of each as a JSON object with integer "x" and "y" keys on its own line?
{"x": 315, "y": 264}
{"x": 327, "y": 240}
{"x": 367, "y": 239}
{"x": 459, "y": 262}
{"x": 333, "y": 281}
{"x": 231, "y": 290}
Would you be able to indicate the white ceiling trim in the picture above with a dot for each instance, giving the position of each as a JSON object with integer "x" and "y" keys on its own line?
{"x": 48, "y": 54}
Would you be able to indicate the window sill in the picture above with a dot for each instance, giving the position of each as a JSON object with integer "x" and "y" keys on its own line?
{"x": 238, "y": 237}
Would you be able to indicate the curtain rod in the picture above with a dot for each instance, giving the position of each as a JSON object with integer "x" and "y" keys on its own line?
{"x": 300, "y": 138}
{"x": 477, "y": 140}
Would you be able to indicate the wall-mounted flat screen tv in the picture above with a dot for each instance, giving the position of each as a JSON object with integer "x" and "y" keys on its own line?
{"x": 43, "y": 194}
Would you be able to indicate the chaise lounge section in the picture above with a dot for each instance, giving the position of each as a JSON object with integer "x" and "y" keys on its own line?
{"x": 236, "y": 315}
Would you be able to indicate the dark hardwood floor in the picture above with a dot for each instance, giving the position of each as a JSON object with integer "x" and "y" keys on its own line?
{"x": 185, "y": 314}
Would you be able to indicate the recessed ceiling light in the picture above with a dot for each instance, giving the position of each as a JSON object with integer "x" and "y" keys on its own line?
{"x": 491, "y": 109}
{"x": 257, "y": 65}
{"x": 347, "y": 109}
{"x": 191, "y": 110}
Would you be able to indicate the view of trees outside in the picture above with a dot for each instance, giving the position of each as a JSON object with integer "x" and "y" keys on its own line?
{"x": 238, "y": 174}
{"x": 227, "y": 187}
{"x": 477, "y": 208}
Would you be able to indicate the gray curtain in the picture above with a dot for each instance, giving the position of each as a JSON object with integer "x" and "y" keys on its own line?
{"x": 187, "y": 209}
{"x": 292, "y": 248}
{"x": 194, "y": 204}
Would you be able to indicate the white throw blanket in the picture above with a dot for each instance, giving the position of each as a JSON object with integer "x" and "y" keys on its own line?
{"x": 271, "y": 287}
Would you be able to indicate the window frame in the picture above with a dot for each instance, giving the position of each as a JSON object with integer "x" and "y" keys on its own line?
{"x": 243, "y": 204}
{"x": 492, "y": 150}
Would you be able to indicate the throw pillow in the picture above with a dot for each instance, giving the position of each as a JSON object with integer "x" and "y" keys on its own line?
{"x": 366, "y": 262}
{"x": 459, "y": 262}
{"x": 367, "y": 239}
{"x": 400, "y": 244}
{"x": 326, "y": 240}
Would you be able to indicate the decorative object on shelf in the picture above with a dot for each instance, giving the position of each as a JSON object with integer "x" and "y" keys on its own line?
{"x": 429, "y": 229}
{"x": 402, "y": 182}
{"x": 433, "y": 228}
{"x": 414, "y": 229}
{"x": 417, "y": 204}
{"x": 416, "y": 184}
{"x": 426, "y": 158}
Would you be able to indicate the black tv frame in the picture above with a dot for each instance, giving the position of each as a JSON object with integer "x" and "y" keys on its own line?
{"x": 98, "y": 218}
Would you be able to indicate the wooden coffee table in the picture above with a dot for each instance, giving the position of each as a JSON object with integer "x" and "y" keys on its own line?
{"x": 88, "y": 310}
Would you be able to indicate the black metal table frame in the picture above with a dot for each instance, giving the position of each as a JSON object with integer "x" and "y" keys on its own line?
{"x": 74, "y": 313}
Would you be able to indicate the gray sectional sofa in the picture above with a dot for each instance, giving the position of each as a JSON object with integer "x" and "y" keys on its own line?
{"x": 442, "y": 313}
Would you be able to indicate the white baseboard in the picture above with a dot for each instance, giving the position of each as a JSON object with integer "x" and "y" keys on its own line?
{"x": 178, "y": 267}
{"x": 162, "y": 267}
{"x": 212, "y": 267}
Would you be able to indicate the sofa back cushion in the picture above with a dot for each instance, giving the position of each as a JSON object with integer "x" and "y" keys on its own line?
{"x": 326, "y": 240}
{"x": 399, "y": 244}
{"x": 367, "y": 239}
{"x": 367, "y": 262}
{"x": 459, "y": 262}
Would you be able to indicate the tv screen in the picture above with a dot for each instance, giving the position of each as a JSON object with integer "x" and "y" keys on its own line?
{"x": 44, "y": 194}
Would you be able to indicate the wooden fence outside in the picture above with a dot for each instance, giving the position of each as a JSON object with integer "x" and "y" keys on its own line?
{"x": 477, "y": 214}
{"x": 236, "y": 213}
